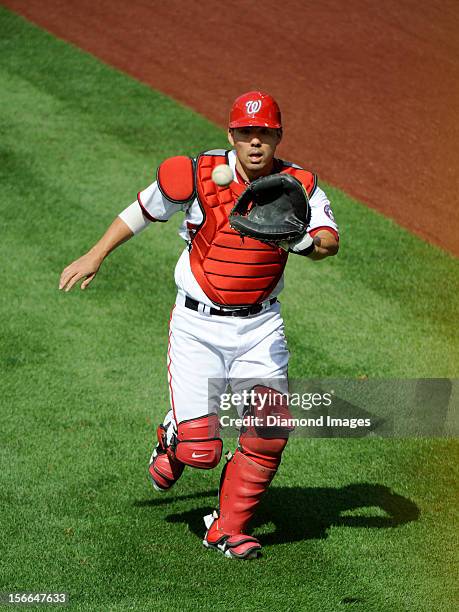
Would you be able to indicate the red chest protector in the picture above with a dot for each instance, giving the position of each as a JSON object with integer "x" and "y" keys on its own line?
{"x": 231, "y": 270}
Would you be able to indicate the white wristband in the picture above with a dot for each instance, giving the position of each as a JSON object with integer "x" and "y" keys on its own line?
{"x": 303, "y": 243}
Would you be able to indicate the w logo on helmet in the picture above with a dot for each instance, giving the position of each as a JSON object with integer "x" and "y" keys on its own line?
{"x": 253, "y": 106}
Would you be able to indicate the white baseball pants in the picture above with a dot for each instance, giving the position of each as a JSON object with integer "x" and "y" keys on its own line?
{"x": 206, "y": 352}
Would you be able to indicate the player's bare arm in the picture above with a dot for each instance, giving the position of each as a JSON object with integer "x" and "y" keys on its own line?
{"x": 87, "y": 266}
{"x": 325, "y": 245}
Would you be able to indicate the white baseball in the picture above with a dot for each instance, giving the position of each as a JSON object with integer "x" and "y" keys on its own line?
{"x": 222, "y": 175}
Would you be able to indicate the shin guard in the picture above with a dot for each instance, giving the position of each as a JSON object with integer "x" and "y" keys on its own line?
{"x": 248, "y": 473}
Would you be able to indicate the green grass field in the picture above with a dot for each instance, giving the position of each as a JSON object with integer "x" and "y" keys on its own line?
{"x": 348, "y": 524}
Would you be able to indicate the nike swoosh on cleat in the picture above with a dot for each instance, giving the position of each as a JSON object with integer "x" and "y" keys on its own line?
{"x": 198, "y": 455}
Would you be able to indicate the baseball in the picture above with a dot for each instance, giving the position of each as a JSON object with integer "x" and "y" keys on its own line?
{"x": 222, "y": 175}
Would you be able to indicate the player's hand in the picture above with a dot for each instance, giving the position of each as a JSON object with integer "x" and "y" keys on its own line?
{"x": 85, "y": 267}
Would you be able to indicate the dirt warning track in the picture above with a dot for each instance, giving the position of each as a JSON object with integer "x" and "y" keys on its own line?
{"x": 370, "y": 93}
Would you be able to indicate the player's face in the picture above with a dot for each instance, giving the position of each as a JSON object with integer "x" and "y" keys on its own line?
{"x": 255, "y": 148}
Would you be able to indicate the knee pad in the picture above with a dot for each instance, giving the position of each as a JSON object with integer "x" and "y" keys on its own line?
{"x": 267, "y": 435}
{"x": 198, "y": 442}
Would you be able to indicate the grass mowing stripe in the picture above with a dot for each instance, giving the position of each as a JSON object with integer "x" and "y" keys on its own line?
{"x": 84, "y": 374}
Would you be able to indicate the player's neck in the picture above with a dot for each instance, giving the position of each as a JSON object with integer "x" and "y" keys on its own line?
{"x": 248, "y": 175}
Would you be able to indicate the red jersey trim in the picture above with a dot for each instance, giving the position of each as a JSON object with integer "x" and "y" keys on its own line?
{"x": 147, "y": 214}
{"x": 169, "y": 363}
{"x": 332, "y": 230}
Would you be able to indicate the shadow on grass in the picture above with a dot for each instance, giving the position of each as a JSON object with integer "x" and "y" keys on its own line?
{"x": 307, "y": 513}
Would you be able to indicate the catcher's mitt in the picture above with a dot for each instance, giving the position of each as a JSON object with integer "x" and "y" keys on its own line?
{"x": 272, "y": 209}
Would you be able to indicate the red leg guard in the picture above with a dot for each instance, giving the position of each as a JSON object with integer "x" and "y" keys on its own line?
{"x": 244, "y": 482}
{"x": 198, "y": 442}
{"x": 248, "y": 473}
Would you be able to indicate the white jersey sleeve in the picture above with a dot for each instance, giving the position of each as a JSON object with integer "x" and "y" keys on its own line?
{"x": 321, "y": 214}
{"x": 151, "y": 206}
{"x": 155, "y": 206}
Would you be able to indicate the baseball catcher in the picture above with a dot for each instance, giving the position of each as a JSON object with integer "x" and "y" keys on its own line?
{"x": 240, "y": 224}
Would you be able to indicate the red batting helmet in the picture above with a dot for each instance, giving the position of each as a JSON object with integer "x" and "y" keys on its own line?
{"x": 255, "y": 108}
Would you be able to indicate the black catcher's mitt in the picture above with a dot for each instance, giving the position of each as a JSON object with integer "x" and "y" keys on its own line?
{"x": 272, "y": 209}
